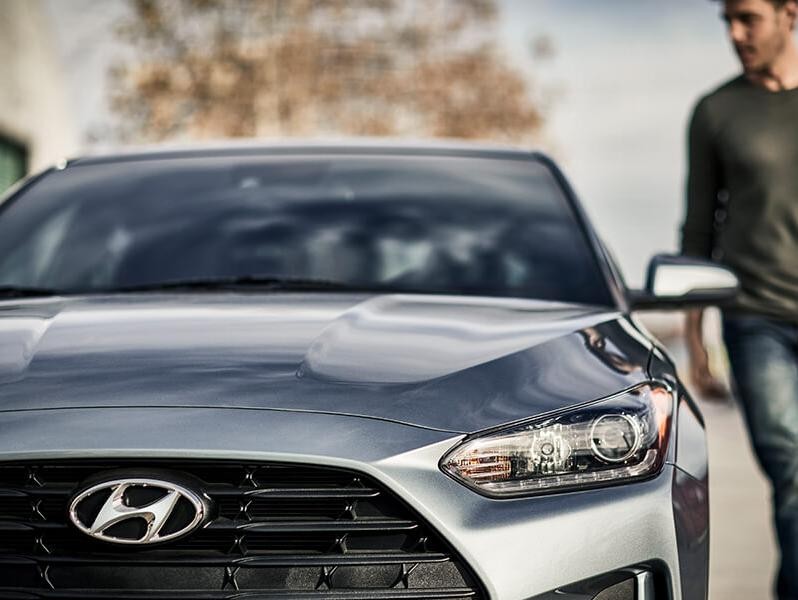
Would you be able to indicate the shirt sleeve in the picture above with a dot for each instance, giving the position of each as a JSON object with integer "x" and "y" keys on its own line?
{"x": 703, "y": 185}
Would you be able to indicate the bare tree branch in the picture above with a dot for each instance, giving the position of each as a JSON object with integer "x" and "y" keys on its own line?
{"x": 234, "y": 68}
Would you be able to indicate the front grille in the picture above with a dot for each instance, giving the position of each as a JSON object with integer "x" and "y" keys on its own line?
{"x": 276, "y": 531}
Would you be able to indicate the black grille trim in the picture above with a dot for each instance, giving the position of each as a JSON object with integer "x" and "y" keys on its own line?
{"x": 430, "y": 594}
{"x": 278, "y": 531}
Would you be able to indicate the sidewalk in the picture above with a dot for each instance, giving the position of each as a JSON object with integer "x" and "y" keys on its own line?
{"x": 742, "y": 547}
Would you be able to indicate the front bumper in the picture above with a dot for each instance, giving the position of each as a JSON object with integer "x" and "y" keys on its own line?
{"x": 519, "y": 549}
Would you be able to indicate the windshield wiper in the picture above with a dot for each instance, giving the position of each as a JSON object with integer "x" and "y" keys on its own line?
{"x": 250, "y": 282}
{"x": 15, "y": 291}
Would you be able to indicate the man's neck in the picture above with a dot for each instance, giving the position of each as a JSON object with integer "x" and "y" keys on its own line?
{"x": 782, "y": 74}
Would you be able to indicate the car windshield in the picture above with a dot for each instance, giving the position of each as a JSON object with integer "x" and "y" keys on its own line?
{"x": 421, "y": 224}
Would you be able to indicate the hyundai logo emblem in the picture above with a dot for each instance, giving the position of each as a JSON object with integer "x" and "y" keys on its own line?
{"x": 137, "y": 510}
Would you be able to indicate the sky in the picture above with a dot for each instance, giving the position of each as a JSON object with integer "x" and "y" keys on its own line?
{"x": 624, "y": 77}
{"x": 629, "y": 72}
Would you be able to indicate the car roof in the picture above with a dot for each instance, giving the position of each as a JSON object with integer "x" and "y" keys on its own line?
{"x": 364, "y": 146}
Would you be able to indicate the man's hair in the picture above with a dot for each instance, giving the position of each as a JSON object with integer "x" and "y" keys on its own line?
{"x": 776, "y": 3}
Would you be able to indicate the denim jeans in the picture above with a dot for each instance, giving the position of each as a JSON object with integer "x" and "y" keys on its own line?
{"x": 764, "y": 362}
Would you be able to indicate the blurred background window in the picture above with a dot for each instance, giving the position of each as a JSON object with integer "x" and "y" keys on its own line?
{"x": 13, "y": 160}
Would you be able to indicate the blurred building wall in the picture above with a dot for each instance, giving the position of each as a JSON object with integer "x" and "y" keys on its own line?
{"x": 35, "y": 120}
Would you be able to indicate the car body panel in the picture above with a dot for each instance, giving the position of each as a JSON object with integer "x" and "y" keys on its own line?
{"x": 519, "y": 548}
{"x": 455, "y": 364}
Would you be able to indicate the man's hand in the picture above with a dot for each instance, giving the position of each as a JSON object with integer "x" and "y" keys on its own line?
{"x": 706, "y": 384}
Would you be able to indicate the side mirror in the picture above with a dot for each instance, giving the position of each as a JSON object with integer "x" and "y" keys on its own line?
{"x": 674, "y": 282}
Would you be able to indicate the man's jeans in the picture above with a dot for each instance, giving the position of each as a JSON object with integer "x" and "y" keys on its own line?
{"x": 764, "y": 362}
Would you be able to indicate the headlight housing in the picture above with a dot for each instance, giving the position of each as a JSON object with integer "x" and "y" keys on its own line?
{"x": 617, "y": 439}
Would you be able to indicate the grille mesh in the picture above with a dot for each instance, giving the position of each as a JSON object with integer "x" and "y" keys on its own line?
{"x": 277, "y": 531}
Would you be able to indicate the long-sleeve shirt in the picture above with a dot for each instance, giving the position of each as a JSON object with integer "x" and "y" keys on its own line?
{"x": 742, "y": 193}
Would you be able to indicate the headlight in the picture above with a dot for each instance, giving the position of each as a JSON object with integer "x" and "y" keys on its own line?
{"x": 614, "y": 440}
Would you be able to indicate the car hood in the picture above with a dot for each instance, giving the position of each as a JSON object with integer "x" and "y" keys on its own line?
{"x": 457, "y": 364}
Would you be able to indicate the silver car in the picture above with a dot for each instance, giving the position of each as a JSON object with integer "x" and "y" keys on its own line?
{"x": 337, "y": 371}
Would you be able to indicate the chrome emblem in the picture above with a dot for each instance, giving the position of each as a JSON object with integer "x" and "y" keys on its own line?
{"x": 123, "y": 518}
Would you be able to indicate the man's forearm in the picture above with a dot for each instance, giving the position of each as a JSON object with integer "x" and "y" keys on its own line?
{"x": 694, "y": 328}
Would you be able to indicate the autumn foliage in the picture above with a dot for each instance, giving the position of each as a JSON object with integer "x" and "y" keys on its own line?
{"x": 236, "y": 68}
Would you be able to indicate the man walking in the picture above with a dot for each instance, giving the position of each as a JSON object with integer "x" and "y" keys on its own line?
{"x": 742, "y": 210}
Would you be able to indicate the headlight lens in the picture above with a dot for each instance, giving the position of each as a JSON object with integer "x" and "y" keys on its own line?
{"x": 612, "y": 440}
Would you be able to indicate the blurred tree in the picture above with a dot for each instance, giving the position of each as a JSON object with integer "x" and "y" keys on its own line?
{"x": 233, "y": 68}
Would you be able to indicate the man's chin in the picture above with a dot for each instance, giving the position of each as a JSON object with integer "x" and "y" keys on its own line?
{"x": 753, "y": 69}
{"x": 747, "y": 60}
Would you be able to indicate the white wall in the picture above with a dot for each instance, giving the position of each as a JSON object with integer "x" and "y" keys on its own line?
{"x": 33, "y": 102}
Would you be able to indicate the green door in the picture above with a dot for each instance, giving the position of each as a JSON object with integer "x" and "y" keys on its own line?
{"x": 12, "y": 163}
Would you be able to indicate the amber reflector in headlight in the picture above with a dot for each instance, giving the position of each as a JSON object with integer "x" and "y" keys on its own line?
{"x": 620, "y": 438}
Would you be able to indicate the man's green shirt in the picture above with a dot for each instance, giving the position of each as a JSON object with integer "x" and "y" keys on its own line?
{"x": 742, "y": 193}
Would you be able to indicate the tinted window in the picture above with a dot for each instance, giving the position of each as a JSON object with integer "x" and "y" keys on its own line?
{"x": 426, "y": 224}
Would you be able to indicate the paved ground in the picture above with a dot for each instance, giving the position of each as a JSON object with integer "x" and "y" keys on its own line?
{"x": 742, "y": 551}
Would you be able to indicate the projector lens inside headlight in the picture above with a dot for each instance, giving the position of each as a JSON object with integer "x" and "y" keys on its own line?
{"x": 615, "y": 437}
{"x": 620, "y": 438}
